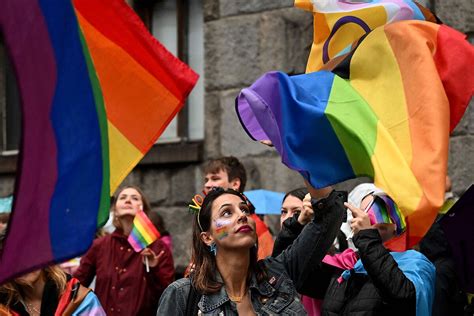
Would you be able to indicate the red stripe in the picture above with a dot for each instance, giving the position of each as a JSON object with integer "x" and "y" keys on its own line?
{"x": 117, "y": 21}
{"x": 450, "y": 58}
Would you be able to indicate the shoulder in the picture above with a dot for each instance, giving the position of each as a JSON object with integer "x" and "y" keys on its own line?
{"x": 183, "y": 284}
{"x": 174, "y": 298}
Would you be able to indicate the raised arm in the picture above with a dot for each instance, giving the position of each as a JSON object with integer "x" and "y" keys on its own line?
{"x": 307, "y": 251}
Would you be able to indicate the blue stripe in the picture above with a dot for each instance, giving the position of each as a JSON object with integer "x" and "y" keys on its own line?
{"x": 308, "y": 137}
{"x": 75, "y": 203}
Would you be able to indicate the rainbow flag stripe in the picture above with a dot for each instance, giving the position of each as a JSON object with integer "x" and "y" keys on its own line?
{"x": 97, "y": 90}
{"x": 378, "y": 113}
{"x": 143, "y": 233}
{"x": 339, "y": 24}
{"x": 386, "y": 211}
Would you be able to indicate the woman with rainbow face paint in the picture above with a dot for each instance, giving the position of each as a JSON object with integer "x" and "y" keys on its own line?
{"x": 228, "y": 278}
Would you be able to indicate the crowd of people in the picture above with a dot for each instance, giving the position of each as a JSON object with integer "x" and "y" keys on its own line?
{"x": 329, "y": 258}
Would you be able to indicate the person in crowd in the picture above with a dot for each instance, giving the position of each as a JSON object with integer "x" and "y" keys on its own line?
{"x": 294, "y": 216}
{"x": 48, "y": 291}
{"x": 159, "y": 223}
{"x": 228, "y": 279}
{"x": 123, "y": 285}
{"x": 4, "y": 218}
{"x": 449, "y": 297}
{"x": 229, "y": 173}
{"x": 373, "y": 280}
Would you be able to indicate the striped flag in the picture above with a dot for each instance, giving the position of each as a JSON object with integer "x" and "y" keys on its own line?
{"x": 144, "y": 233}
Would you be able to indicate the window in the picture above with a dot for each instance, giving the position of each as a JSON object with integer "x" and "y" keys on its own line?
{"x": 10, "y": 112}
{"x": 179, "y": 26}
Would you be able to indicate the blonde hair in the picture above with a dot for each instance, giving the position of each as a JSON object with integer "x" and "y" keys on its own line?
{"x": 14, "y": 290}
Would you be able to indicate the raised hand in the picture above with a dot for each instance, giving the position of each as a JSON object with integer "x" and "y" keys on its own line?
{"x": 153, "y": 259}
{"x": 307, "y": 213}
{"x": 360, "y": 219}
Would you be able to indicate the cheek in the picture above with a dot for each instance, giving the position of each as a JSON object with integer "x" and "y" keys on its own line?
{"x": 222, "y": 228}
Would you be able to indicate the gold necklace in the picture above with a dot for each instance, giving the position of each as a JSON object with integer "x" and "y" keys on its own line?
{"x": 236, "y": 299}
{"x": 31, "y": 309}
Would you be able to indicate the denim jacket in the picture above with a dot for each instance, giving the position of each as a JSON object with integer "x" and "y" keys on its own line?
{"x": 286, "y": 273}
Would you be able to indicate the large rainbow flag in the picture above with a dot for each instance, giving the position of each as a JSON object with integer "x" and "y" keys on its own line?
{"x": 97, "y": 90}
{"x": 339, "y": 24}
{"x": 385, "y": 111}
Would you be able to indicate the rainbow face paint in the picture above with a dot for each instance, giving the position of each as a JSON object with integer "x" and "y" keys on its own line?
{"x": 222, "y": 228}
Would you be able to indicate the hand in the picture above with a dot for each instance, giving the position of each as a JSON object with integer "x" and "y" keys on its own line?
{"x": 267, "y": 142}
{"x": 360, "y": 219}
{"x": 153, "y": 259}
{"x": 318, "y": 193}
{"x": 307, "y": 213}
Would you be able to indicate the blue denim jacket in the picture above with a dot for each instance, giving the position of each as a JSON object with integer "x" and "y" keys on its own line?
{"x": 287, "y": 272}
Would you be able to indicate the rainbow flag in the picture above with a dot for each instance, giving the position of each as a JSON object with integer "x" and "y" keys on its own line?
{"x": 340, "y": 24}
{"x": 385, "y": 111}
{"x": 143, "y": 233}
{"x": 97, "y": 90}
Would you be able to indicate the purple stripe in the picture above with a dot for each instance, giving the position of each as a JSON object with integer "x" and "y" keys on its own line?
{"x": 32, "y": 56}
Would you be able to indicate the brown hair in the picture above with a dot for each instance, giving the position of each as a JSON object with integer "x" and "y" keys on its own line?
{"x": 13, "y": 290}
{"x": 203, "y": 276}
{"x": 234, "y": 168}
{"x": 146, "y": 204}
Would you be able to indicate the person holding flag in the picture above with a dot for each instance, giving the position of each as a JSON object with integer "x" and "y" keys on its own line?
{"x": 129, "y": 282}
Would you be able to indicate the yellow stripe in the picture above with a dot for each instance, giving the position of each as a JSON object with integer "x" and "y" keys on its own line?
{"x": 397, "y": 181}
{"x": 380, "y": 84}
{"x": 123, "y": 157}
{"x": 144, "y": 232}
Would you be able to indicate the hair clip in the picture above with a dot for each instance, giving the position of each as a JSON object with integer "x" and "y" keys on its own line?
{"x": 195, "y": 208}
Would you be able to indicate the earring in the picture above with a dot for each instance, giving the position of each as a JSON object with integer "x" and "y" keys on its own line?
{"x": 213, "y": 248}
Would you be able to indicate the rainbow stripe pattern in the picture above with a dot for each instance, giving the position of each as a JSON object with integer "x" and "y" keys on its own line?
{"x": 144, "y": 233}
{"x": 340, "y": 24}
{"x": 384, "y": 210}
{"x": 97, "y": 90}
{"x": 377, "y": 113}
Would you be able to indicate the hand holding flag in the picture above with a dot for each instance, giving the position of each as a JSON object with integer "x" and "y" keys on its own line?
{"x": 144, "y": 233}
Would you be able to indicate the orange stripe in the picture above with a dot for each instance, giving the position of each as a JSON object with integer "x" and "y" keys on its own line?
{"x": 413, "y": 44}
{"x": 136, "y": 103}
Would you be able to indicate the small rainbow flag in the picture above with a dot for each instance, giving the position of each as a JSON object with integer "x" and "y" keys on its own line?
{"x": 384, "y": 210}
{"x": 96, "y": 91}
{"x": 143, "y": 233}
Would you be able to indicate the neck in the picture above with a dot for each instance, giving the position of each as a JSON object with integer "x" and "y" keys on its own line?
{"x": 233, "y": 265}
{"x": 34, "y": 292}
{"x": 126, "y": 223}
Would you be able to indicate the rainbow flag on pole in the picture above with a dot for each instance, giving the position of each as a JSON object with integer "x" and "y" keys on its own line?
{"x": 97, "y": 90}
{"x": 143, "y": 233}
{"x": 385, "y": 111}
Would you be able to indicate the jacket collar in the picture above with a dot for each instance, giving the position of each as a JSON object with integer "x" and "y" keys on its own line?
{"x": 210, "y": 302}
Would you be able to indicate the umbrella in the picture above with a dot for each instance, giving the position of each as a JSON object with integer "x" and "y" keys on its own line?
{"x": 458, "y": 225}
{"x": 265, "y": 201}
{"x": 6, "y": 204}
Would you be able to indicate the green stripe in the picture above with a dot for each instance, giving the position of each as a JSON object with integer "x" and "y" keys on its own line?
{"x": 141, "y": 238}
{"x": 104, "y": 206}
{"x": 355, "y": 125}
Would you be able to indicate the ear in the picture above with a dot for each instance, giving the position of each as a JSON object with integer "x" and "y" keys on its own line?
{"x": 207, "y": 238}
{"x": 235, "y": 184}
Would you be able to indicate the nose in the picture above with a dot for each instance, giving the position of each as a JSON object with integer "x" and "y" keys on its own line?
{"x": 242, "y": 217}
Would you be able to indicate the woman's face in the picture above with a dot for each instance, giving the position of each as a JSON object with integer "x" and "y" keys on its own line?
{"x": 231, "y": 224}
{"x": 129, "y": 202}
{"x": 290, "y": 207}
